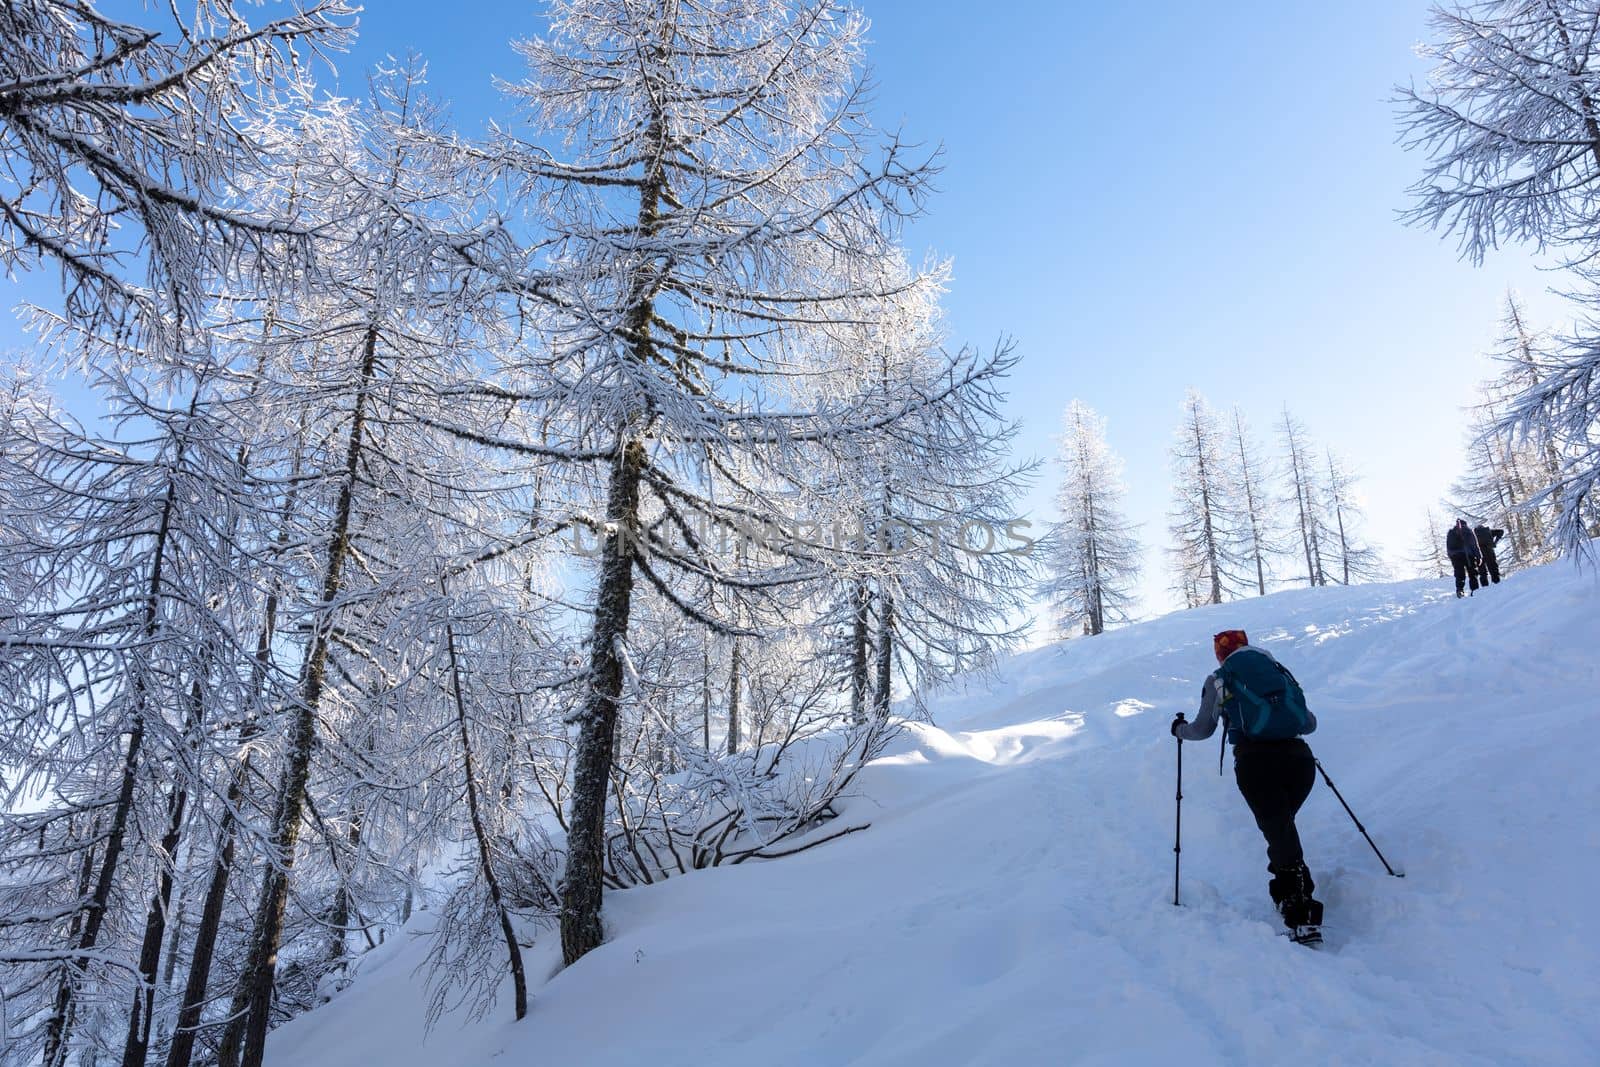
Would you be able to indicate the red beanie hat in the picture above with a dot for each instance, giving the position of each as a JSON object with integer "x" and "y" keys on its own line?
{"x": 1227, "y": 641}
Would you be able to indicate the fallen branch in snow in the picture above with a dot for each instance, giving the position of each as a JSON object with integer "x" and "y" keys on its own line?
{"x": 801, "y": 848}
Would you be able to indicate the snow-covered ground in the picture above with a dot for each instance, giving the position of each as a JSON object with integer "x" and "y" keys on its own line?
{"x": 1012, "y": 902}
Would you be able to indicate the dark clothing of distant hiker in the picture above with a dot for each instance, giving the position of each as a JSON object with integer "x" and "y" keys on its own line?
{"x": 1461, "y": 545}
{"x": 1488, "y": 567}
{"x": 1274, "y": 776}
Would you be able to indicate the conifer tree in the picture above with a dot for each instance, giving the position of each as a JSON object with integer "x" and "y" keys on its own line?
{"x": 714, "y": 206}
{"x": 1093, "y": 555}
{"x": 1259, "y": 527}
{"x": 1351, "y": 559}
{"x": 1304, "y": 495}
{"x": 1206, "y": 519}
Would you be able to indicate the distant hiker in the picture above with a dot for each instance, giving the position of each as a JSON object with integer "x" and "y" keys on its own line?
{"x": 1461, "y": 545}
{"x": 1488, "y": 566}
{"x": 1266, "y": 714}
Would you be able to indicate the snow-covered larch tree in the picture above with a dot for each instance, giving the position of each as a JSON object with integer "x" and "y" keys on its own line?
{"x": 1507, "y": 118}
{"x": 1354, "y": 559}
{"x": 710, "y": 194}
{"x": 121, "y": 644}
{"x": 1516, "y": 477}
{"x": 1259, "y": 528}
{"x": 120, "y": 141}
{"x": 373, "y": 351}
{"x": 1429, "y": 557}
{"x": 1304, "y": 495}
{"x": 1205, "y": 517}
{"x": 1093, "y": 556}
{"x": 942, "y": 558}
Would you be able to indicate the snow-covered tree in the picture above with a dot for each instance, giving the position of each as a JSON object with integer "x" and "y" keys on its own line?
{"x": 1559, "y": 417}
{"x": 1429, "y": 557}
{"x": 706, "y": 180}
{"x": 1094, "y": 556}
{"x": 122, "y": 651}
{"x": 121, "y": 141}
{"x": 1501, "y": 474}
{"x": 1348, "y": 554}
{"x": 1205, "y": 518}
{"x": 1517, "y": 475}
{"x": 940, "y": 561}
{"x": 1507, "y": 119}
{"x": 372, "y": 352}
{"x": 1305, "y": 495}
{"x": 1259, "y": 527}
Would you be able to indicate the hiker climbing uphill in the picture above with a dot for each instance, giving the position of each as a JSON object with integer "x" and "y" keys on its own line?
{"x": 1266, "y": 715}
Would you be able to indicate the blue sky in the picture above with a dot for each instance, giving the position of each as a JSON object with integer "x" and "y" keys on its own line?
{"x": 1148, "y": 197}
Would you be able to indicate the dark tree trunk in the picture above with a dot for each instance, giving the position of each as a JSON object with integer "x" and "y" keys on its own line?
{"x": 256, "y": 981}
{"x": 860, "y": 604}
{"x": 1212, "y": 555}
{"x": 885, "y": 652}
{"x": 705, "y": 693}
{"x": 1252, "y": 509}
{"x": 734, "y": 682}
{"x": 1094, "y": 600}
{"x": 74, "y": 928}
{"x": 136, "y": 1048}
{"x": 581, "y": 930}
{"x": 583, "y": 884}
{"x": 181, "y": 1050}
{"x": 1308, "y": 533}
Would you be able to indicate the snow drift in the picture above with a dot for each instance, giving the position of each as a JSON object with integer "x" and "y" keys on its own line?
{"x": 1012, "y": 901}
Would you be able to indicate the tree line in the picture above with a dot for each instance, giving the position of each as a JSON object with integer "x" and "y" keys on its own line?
{"x": 1241, "y": 521}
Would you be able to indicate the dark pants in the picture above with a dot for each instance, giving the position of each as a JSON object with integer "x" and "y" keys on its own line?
{"x": 1488, "y": 569}
{"x": 1275, "y": 778}
{"x": 1466, "y": 571}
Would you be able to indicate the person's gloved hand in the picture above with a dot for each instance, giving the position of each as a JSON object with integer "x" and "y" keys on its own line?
{"x": 1178, "y": 721}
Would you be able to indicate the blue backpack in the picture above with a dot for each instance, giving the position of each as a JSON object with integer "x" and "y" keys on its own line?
{"x": 1261, "y": 700}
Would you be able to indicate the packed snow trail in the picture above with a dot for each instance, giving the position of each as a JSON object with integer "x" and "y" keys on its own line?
{"x": 1012, "y": 902}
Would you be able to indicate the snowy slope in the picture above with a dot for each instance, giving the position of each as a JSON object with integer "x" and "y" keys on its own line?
{"x": 1012, "y": 902}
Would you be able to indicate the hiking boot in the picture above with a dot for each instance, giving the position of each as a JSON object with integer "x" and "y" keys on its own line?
{"x": 1291, "y": 893}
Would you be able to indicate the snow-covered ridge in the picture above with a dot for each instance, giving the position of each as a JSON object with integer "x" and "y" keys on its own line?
{"x": 1012, "y": 902}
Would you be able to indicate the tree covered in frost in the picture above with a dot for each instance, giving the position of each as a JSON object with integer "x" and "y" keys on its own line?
{"x": 1510, "y": 122}
{"x": 1429, "y": 556}
{"x": 1205, "y": 518}
{"x": 1350, "y": 558}
{"x": 1260, "y": 527}
{"x": 119, "y": 141}
{"x": 1093, "y": 556}
{"x": 224, "y": 626}
{"x": 373, "y": 351}
{"x": 923, "y": 503}
{"x": 713, "y": 200}
{"x": 1303, "y": 493}
{"x": 122, "y": 652}
{"x": 1503, "y": 469}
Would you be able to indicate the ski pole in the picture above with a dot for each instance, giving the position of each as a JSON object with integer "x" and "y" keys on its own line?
{"x": 1177, "y": 843}
{"x": 1363, "y": 829}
